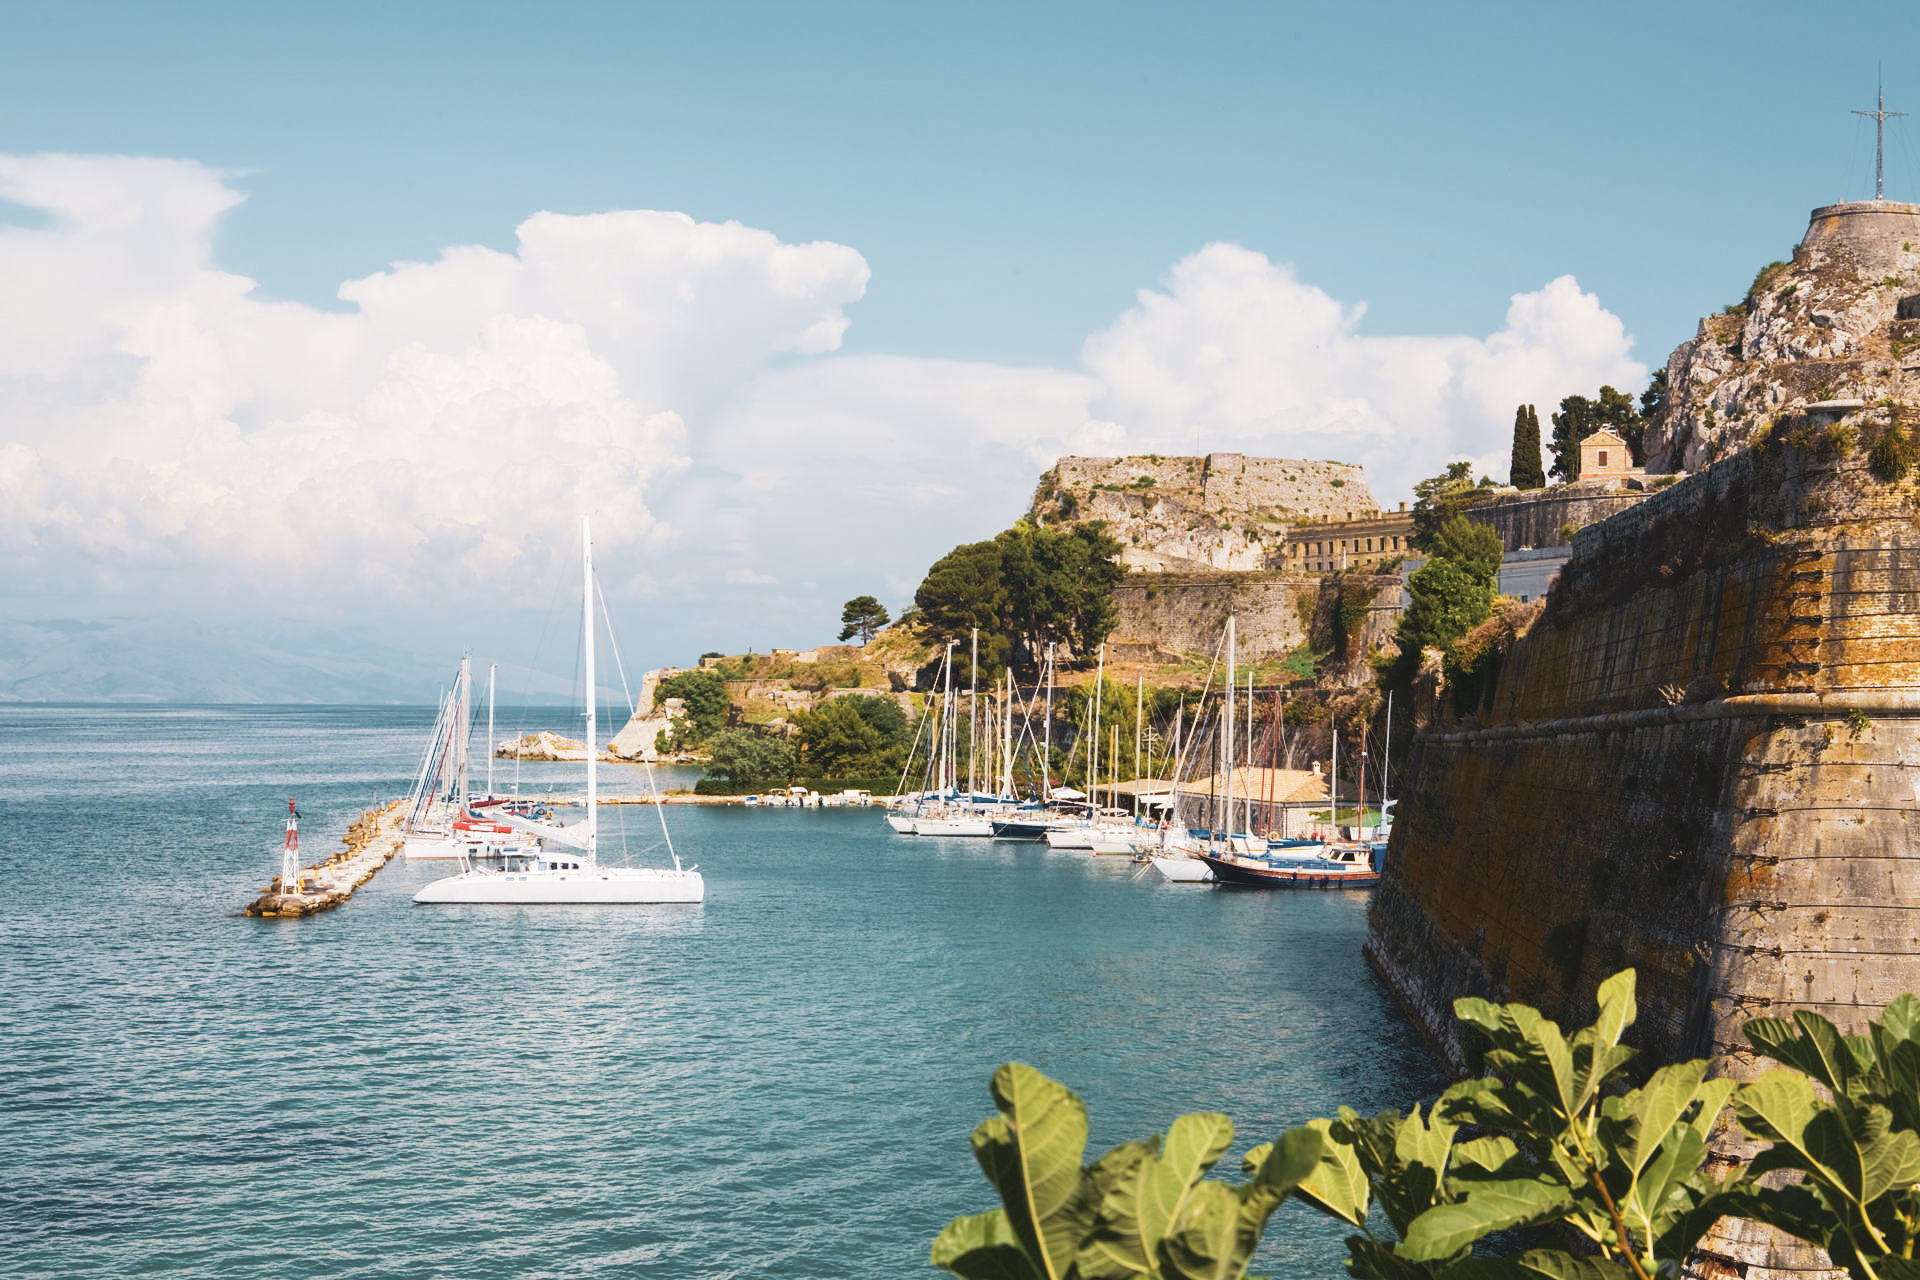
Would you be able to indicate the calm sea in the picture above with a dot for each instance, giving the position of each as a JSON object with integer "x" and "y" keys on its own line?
{"x": 778, "y": 1083}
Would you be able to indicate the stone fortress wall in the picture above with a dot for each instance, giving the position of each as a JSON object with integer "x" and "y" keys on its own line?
{"x": 1702, "y": 759}
{"x": 1541, "y": 517}
{"x": 1224, "y": 511}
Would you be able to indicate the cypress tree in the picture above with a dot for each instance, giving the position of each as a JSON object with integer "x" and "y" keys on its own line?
{"x": 1524, "y": 471}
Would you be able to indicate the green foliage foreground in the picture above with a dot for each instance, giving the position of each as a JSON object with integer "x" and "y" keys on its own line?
{"x": 1550, "y": 1137}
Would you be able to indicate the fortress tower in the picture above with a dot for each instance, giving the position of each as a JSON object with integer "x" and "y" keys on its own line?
{"x": 1873, "y": 232}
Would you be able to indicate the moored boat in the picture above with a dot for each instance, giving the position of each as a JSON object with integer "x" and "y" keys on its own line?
{"x": 570, "y": 879}
{"x": 1340, "y": 867}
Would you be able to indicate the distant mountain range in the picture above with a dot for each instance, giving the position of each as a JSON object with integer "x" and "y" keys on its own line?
{"x": 173, "y": 659}
{"x": 177, "y": 659}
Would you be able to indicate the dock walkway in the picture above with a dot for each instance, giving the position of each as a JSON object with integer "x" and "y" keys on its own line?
{"x": 371, "y": 843}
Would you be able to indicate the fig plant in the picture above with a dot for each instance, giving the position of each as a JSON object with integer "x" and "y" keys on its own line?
{"x": 1856, "y": 1148}
{"x": 1550, "y": 1136}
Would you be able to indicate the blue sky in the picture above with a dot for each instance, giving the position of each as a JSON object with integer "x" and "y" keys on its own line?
{"x": 1012, "y": 172}
{"x": 970, "y": 238}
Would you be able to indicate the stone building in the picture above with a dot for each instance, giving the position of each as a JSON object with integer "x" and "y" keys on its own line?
{"x": 1604, "y": 455}
{"x": 1364, "y": 540}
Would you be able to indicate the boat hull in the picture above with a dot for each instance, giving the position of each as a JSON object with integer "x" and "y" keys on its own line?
{"x": 1183, "y": 870}
{"x": 608, "y": 886}
{"x": 1235, "y": 871}
{"x": 1021, "y": 830}
{"x": 902, "y": 823}
{"x": 968, "y": 826}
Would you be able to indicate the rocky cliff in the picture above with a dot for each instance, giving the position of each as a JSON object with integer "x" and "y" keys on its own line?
{"x": 1830, "y": 325}
{"x": 1223, "y": 511}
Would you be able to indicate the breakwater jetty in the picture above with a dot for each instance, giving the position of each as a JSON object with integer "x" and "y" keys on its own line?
{"x": 371, "y": 842}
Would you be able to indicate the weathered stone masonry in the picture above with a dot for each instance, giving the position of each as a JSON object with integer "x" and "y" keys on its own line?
{"x": 1702, "y": 761}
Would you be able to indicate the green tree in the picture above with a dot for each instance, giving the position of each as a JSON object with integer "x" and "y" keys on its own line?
{"x": 965, "y": 589}
{"x": 1060, "y": 585}
{"x": 1580, "y": 417}
{"x": 749, "y": 756}
{"x": 863, "y": 616}
{"x": 1524, "y": 471}
{"x": 885, "y": 717}
{"x": 1440, "y": 498}
{"x": 704, "y": 694}
{"x": 836, "y": 741}
{"x": 1448, "y": 596}
{"x": 1654, "y": 399}
{"x": 1026, "y": 588}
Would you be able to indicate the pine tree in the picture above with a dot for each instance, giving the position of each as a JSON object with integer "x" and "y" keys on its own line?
{"x": 1525, "y": 471}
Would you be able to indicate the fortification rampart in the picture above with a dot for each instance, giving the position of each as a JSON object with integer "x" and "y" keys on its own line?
{"x": 1541, "y": 517}
{"x": 1170, "y": 615}
{"x": 1221, "y": 511}
{"x": 1703, "y": 761}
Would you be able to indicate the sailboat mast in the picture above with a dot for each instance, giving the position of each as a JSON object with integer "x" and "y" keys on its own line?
{"x": 492, "y": 669}
{"x": 1246, "y": 789}
{"x": 1093, "y": 755}
{"x": 586, "y": 625}
{"x": 1046, "y": 758}
{"x": 1333, "y": 781}
{"x": 1139, "y": 711}
{"x": 1386, "y": 759}
{"x": 1229, "y": 730}
{"x": 948, "y": 772}
{"x": 1006, "y": 729}
{"x": 464, "y": 729}
{"x": 973, "y": 699}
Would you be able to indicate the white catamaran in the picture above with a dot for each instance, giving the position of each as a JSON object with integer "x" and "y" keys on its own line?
{"x": 576, "y": 878}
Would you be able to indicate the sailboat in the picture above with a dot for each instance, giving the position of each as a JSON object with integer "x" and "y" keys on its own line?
{"x": 1183, "y": 852}
{"x": 572, "y": 878}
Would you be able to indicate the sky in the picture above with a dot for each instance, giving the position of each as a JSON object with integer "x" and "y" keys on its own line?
{"x": 348, "y": 312}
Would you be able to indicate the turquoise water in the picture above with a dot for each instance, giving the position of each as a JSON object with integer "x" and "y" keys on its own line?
{"x": 777, "y": 1083}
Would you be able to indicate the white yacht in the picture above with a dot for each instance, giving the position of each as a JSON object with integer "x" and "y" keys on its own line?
{"x": 570, "y": 879}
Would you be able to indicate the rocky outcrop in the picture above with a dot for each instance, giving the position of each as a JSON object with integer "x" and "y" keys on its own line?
{"x": 1824, "y": 327}
{"x": 1223, "y": 511}
{"x": 544, "y": 745}
{"x": 637, "y": 738}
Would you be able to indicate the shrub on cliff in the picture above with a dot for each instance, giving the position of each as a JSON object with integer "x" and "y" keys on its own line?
{"x": 1472, "y": 665}
{"x": 705, "y": 694}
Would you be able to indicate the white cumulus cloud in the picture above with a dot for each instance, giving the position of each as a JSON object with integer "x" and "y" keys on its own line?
{"x": 156, "y": 414}
{"x": 161, "y": 421}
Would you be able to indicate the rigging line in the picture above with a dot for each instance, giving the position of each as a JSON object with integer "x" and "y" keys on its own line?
{"x": 653, "y": 787}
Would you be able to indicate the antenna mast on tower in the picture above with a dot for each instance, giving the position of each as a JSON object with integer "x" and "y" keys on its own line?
{"x": 1880, "y": 115}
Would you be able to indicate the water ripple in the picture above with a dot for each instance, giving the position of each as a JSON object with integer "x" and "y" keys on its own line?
{"x": 778, "y": 1083}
